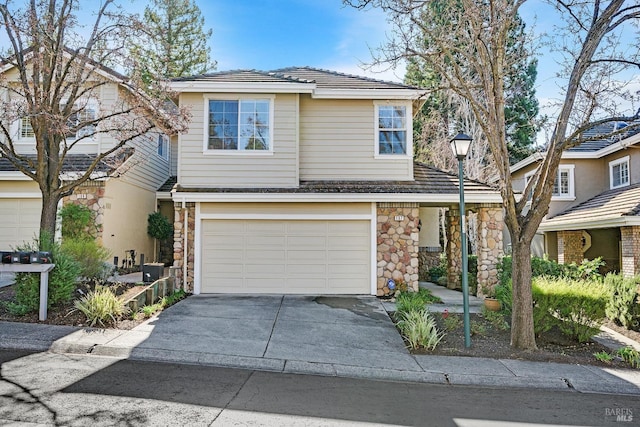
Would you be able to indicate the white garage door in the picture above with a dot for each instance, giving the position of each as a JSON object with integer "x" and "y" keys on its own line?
{"x": 286, "y": 256}
{"x": 19, "y": 221}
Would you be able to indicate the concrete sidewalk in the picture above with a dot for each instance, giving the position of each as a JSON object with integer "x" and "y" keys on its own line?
{"x": 331, "y": 336}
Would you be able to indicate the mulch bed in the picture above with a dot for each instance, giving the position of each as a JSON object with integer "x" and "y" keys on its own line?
{"x": 493, "y": 342}
{"x": 65, "y": 314}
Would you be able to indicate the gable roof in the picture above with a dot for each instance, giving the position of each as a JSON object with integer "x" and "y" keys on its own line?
{"x": 612, "y": 208}
{"x": 77, "y": 163}
{"x": 317, "y": 82}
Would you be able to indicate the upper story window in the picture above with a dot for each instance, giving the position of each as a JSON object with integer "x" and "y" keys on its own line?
{"x": 240, "y": 125}
{"x": 392, "y": 125}
{"x": 80, "y": 121}
{"x": 619, "y": 172}
{"x": 163, "y": 146}
{"x": 26, "y": 131}
{"x": 563, "y": 185}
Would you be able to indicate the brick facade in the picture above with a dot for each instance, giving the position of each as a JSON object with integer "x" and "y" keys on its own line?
{"x": 630, "y": 262}
{"x": 397, "y": 245}
{"x": 570, "y": 247}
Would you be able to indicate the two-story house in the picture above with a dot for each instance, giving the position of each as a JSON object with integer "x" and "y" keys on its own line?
{"x": 595, "y": 207}
{"x": 302, "y": 180}
{"x": 122, "y": 192}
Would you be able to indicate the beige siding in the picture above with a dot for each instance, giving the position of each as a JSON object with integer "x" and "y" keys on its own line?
{"x": 126, "y": 208}
{"x": 146, "y": 168}
{"x": 197, "y": 169}
{"x": 337, "y": 142}
{"x": 634, "y": 163}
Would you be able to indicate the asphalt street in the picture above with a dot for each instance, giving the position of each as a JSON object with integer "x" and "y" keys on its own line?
{"x": 61, "y": 389}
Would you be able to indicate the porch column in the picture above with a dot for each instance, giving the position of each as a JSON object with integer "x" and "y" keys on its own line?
{"x": 630, "y": 262}
{"x": 397, "y": 245}
{"x": 570, "y": 247}
{"x": 490, "y": 245}
{"x": 453, "y": 250}
{"x": 188, "y": 214}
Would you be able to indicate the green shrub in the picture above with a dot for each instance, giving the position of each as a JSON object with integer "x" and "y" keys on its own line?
{"x": 452, "y": 322}
{"x": 577, "y": 307}
{"x": 587, "y": 270}
{"x": 504, "y": 294}
{"x": 76, "y": 220}
{"x": 101, "y": 306}
{"x": 630, "y": 355}
{"x": 62, "y": 281}
{"x": 439, "y": 270}
{"x": 622, "y": 306}
{"x": 409, "y": 300}
{"x": 90, "y": 255}
{"x": 496, "y": 318}
{"x": 158, "y": 226}
{"x": 419, "y": 329}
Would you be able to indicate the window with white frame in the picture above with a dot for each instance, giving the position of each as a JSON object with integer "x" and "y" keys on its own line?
{"x": 163, "y": 146}
{"x": 563, "y": 185}
{"x": 392, "y": 129}
{"x": 619, "y": 172}
{"x": 239, "y": 125}
{"x": 80, "y": 121}
{"x": 26, "y": 131}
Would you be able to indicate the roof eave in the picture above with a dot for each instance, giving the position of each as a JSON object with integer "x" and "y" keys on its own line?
{"x": 241, "y": 87}
{"x": 580, "y": 224}
{"x": 408, "y": 94}
{"x": 444, "y": 199}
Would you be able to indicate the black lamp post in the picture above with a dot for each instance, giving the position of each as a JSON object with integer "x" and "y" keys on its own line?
{"x": 460, "y": 146}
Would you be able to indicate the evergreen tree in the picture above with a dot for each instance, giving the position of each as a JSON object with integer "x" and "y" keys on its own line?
{"x": 175, "y": 41}
{"x": 442, "y": 110}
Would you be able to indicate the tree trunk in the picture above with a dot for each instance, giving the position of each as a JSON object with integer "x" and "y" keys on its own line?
{"x": 48, "y": 220}
{"x": 522, "y": 335}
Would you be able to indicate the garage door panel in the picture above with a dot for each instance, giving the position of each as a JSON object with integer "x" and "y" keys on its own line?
{"x": 19, "y": 222}
{"x": 286, "y": 256}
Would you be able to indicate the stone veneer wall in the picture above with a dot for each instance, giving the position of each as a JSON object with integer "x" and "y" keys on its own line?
{"x": 453, "y": 249}
{"x": 490, "y": 246}
{"x": 397, "y": 245}
{"x": 178, "y": 245}
{"x": 91, "y": 195}
{"x": 428, "y": 257}
{"x": 570, "y": 247}
{"x": 630, "y": 262}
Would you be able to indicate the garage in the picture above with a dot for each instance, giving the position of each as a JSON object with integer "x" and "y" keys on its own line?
{"x": 293, "y": 256}
{"x": 19, "y": 221}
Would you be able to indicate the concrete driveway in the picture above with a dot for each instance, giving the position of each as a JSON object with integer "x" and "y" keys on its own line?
{"x": 343, "y": 330}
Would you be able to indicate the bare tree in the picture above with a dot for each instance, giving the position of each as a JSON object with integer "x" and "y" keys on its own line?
{"x": 467, "y": 45}
{"x": 51, "y": 84}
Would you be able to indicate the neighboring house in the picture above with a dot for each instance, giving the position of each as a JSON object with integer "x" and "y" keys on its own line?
{"x": 121, "y": 194}
{"x": 302, "y": 180}
{"x": 595, "y": 208}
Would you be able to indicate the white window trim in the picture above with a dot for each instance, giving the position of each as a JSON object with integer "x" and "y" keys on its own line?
{"x": 166, "y": 146}
{"x": 93, "y": 104}
{"x": 572, "y": 184}
{"x": 234, "y": 97}
{"x": 558, "y": 197}
{"x": 617, "y": 162}
{"x": 408, "y": 129}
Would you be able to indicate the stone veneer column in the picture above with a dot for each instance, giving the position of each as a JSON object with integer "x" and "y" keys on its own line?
{"x": 453, "y": 249}
{"x": 428, "y": 257}
{"x": 90, "y": 195}
{"x": 490, "y": 245}
{"x": 570, "y": 247}
{"x": 397, "y": 245}
{"x": 630, "y": 262}
{"x": 178, "y": 245}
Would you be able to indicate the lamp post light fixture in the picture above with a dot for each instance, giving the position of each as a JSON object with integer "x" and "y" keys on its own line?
{"x": 460, "y": 146}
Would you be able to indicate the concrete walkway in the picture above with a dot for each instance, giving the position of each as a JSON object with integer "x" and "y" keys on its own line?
{"x": 332, "y": 336}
